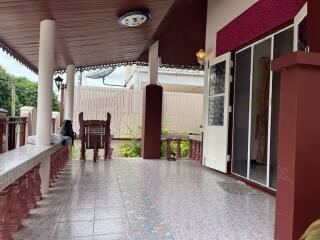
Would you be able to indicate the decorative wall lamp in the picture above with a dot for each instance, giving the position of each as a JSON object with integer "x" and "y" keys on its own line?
{"x": 59, "y": 83}
{"x": 201, "y": 55}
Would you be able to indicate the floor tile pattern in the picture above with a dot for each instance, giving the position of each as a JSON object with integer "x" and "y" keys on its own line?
{"x": 147, "y": 200}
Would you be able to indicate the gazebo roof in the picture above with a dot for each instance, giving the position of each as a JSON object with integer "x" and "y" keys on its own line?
{"x": 88, "y": 33}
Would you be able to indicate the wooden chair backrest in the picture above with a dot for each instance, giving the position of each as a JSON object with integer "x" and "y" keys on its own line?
{"x": 94, "y": 132}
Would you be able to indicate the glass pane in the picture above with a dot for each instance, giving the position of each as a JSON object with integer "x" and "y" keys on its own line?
{"x": 260, "y": 111}
{"x": 217, "y": 79}
{"x": 283, "y": 44}
{"x": 302, "y": 38}
{"x": 216, "y": 111}
{"x": 241, "y": 112}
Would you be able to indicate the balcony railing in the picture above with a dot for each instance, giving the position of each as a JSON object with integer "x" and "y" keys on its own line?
{"x": 195, "y": 146}
{"x": 12, "y": 133}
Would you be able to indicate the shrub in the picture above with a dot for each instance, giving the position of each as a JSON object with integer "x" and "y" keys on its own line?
{"x": 131, "y": 149}
{"x": 75, "y": 152}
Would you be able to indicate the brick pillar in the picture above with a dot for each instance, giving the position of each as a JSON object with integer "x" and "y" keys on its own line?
{"x": 22, "y": 133}
{"x": 178, "y": 154}
{"x": 168, "y": 149}
{"x": 298, "y": 177}
{"x": 2, "y": 127}
{"x": 151, "y": 122}
{"x": 4, "y": 216}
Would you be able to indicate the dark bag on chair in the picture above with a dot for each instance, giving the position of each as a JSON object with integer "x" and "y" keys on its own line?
{"x": 67, "y": 129}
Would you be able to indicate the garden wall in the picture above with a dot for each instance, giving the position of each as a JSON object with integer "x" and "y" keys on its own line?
{"x": 182, "y": 112}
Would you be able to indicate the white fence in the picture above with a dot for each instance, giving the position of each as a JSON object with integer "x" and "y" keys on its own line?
{"x": 182, "y": 112}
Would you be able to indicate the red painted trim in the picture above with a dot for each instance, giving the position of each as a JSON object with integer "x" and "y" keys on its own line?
{"x": 262, "y": 17}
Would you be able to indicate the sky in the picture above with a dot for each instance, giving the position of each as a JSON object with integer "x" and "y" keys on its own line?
{"x": 17, "y": 69}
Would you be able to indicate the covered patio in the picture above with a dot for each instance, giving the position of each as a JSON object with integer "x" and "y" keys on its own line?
{"x": 45, "y": 195}
{"x": 149, "y": 199}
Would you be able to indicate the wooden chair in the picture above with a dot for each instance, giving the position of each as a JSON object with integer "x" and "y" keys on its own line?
{"x": 95, "y": 134}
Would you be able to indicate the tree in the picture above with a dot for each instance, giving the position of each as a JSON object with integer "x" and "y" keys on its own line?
{"x": 26, "y": 93}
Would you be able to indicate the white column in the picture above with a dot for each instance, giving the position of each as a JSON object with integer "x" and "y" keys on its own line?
{"x": 45, "y": 88}
{"x": 71, "y": 69}
{"x": 153, "y": 63}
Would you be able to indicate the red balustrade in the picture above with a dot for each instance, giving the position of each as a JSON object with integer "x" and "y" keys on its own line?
{"x": 190, "y": 148}
{"x": 13, "y": 206}
{"x": 31, "y": 201}
{"x": 23, "y": 206}
{"x": 2, "y": 127}
{"x": 57, "y": 162}
{"x": 21, "y": 196}
{"x": 178, "y": 150}
{"x": 37, "y": 183}
{"x": 168, "y": 149}
{"x": 5, "y": 233}
{"x": 195, "y": 150}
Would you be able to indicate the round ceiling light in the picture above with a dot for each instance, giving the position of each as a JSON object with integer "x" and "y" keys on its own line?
{"x": 134, "y": 18}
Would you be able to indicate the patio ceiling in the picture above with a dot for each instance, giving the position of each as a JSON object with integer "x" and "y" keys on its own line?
{"x": 87, "y": 31}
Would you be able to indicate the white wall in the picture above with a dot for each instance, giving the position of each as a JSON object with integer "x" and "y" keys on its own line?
{"x": 219, "y": 14}
{"x": 182, "y": 112}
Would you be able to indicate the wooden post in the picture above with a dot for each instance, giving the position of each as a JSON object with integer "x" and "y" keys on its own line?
{"x": 53, "y": 122}
{"x": 11, "y": 134}
{"x": 2, "y": 128}
{"x": 178, "y": 151}
{"x": 190, "y": 148}
{"x": 22, "y": 133}
{"x": 82, "y": 136}
{"x": 168, "y": 149}
{"x": 107, "y": 147}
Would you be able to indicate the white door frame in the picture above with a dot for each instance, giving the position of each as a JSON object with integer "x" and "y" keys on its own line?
{"x": 297, "y": 20}
{"x": 216, "y": 137}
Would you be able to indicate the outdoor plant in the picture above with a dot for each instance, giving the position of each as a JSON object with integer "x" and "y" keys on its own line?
{"x": 75, "y": 152}
{"x": 313, "y": 232}
{"x": 133, "y": 148}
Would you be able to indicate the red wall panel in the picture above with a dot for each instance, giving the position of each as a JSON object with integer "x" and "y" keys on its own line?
{"x": 259, "y": 19}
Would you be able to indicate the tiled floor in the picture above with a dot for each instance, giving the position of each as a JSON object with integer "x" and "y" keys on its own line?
{"x": 144, "y": 199}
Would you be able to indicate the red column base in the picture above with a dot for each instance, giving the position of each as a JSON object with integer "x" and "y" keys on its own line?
{"x": 298, "y": 178}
